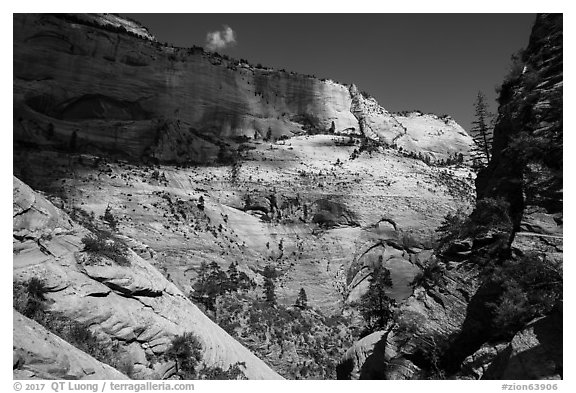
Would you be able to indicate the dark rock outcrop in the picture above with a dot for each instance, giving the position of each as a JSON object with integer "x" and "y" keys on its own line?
{"x": 534, "y": 353}
{"x": 526, "y": 166}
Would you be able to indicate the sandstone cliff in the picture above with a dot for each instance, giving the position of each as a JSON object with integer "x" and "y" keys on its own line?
{"x": 83, "y": 76}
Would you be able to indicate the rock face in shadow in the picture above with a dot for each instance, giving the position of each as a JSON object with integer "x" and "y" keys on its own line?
{"x": 534, "y": 353}
{"x": 132, "y": 305}
{"x": 85, "y": 74}
{"x": 40, "y": 354}
{"x": 526, "y": 168}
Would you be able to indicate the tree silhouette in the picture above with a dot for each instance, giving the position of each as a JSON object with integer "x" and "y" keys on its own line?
{"x": 482, "y": 131}
{"x": 375, "y": 304}
{"x": 212, "y": 282}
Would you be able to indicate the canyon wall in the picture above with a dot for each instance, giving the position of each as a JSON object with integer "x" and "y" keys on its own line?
{"x": 98, "y": 79}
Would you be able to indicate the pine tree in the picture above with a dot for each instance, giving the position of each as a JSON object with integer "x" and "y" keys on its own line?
{"x": 269, "y": 288}
{"x": 268, "y": 134}
{"x": 109, "y": 218}
{"x": 212, "y": 282}
{"x": 233, "y": 277}
{"x": 482, "y": 131}
{"x": 269, "y": 291}
{"x": 302, "y": 299}
{"x": 375, "y": 304}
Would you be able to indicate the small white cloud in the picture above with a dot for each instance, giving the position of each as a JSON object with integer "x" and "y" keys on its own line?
{"x": 221, "y": 39}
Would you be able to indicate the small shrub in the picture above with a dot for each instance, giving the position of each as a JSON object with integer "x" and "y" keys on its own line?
{"x": 185, "y": 350}
{"x": 409, "y": 322}
{"x": 432, "y": 275}
{"x": 103, "y": 244}
{"x": 234, "y": 372}
{"x": 453, "y": 226}
{"x": 408, "y": 240}
{"x": 110, "y": 219}
{"x": 490, "y": 214}
{"x": 28, "y": 298}
{"x": 531, "y": 287}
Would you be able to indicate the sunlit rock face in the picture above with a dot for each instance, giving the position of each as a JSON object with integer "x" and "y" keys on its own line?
{"x": 133, "y": 306}
{"x": 124, "y": 92}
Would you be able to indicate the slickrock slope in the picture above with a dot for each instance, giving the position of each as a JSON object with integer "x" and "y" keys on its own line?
{"x": 133, "y": 96}
{"x": 133, "y": 305}
{"x": 39, "y": 354}
{"x": 330, "y": 220}
{"x": 449, "y": 327}
{"x": 441, "y": 136}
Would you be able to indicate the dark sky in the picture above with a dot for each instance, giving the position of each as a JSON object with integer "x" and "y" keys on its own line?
{"x": 432, "y": 62}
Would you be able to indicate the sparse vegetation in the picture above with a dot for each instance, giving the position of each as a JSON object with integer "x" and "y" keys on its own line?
{"x": 431, "y": 276}
{"x": 531, "y": 287}
{"x": 28, "y": 299}
{"x": 299, "y": 344}
{"x": 109, "y": 218}
{"x": 490, "y": 214}
{"x": 103, "y": 244}
{"x": 212, "y": 283}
